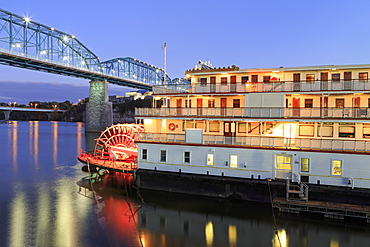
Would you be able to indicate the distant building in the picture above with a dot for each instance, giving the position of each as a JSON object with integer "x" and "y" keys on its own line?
{"x": 116, "y": 99}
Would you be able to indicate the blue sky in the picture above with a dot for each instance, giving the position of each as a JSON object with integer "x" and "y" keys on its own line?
{"x": 248, "y": 34}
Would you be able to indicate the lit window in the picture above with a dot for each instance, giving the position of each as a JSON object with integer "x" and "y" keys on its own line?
{"x": 214, "y": 126}
{"x": 186, "y": 157}
{"x": 144, "y": 154}
{"x": 242, "y": 127}
{"x": 305, "y": 164}
{"x": 234, "y": 161}
{"x": 363, "y": 76}
{"x": 310, "y": 78}
{"x": 283, "y": 162}
{"x": 210, "y": 158}
{"x": 347, "y": 131}
{"x": 163, "y": 155}
{"x": 336, "y": 167}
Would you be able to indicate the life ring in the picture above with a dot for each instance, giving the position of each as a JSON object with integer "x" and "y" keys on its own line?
{"x": 171, "y": 126}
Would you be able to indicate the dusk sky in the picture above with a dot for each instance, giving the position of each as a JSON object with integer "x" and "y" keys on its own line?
{"x": 248, "y": 34}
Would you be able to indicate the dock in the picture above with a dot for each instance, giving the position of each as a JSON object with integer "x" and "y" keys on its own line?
{"x": 327, "y": 209}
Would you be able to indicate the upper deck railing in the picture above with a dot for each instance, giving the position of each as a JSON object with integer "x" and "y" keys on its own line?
{"x": 328, "y": 145}
{"x": 271, "y": 86}
{"x": 257, "y": 112}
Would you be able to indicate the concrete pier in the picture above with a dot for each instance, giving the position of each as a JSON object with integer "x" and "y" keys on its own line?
{"x": 99, "y": 113}
{"x": 7, "y": 114}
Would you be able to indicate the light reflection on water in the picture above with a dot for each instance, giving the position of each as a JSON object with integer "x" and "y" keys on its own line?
{"x": 40, "y": 205}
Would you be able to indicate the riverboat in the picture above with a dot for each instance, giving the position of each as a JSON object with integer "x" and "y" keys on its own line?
{"x": 306, "y": 124}
{"x": 115, "y": 149}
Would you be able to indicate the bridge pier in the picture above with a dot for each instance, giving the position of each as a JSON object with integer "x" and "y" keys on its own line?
{"x": 99, "y": 112}
{"x": 7, "y": 114}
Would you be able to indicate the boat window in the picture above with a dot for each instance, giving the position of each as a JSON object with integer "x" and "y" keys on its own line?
{"x": 236, "y": 103}
{"x": 203, "y": 81}
{"x": 200, "y": 125}
{"x": 266, "y": 78}
{"x": 163, "y": 155}
{"x": 308, "y": 103}
{"x": 366, "y": 131}
{"x": 339, "y": 103}
{"x": 245, "y": 79}
{"x": 310, "y": 78}
{"x": 211, "y": 103}
{"x": 326, "y": 130}
{"x": 223, "y": 80}
{"x": 186, "y": 157}
{"x": 346, "y": 131}
{"x": 336, "y": 167}
{"x": 144, "y": 154}
{"x": 283, "y": 162}
{"x": 234, "y": 161}
{"x": 335, "y": 77}
{"x": 214, "y": 126}
{"x": 242, "y": 127}
{"x": 363, "y": 76}
{"x": 305, "y": 164}
{"x": 210, "y": 158}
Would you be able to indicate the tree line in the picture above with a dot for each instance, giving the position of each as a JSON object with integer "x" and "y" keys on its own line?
{"x": 74, "y": 112}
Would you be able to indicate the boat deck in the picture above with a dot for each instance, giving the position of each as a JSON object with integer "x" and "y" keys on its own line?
{"x": 328, "y": 209}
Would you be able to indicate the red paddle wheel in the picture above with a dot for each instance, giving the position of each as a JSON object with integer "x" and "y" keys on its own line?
{"x": 115, "y": 148}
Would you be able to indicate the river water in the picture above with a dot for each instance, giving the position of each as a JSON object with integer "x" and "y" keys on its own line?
{"x": 47, "y": 200}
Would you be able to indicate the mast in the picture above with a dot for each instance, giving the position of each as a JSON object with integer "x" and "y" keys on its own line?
{"x": 164, "y": 63}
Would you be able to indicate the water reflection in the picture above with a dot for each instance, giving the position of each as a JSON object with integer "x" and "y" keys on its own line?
{"x": 55, "y": 142}
{"x": 115, "y": 211}
{"x": 34, "y": 142}
{"x": 80, "y": 132}
{"x": 166, "y": 219}
{"x": 18, "y": 221}
{"x": 13, "y": 139}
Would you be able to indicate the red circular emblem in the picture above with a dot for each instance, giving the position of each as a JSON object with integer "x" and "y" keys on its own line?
{"x": 171, "y": 126}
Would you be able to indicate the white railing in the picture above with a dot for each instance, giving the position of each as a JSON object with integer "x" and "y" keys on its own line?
{"x": 359, "y": 146}
{"x": 278, "y": 86}
{"x": 257, "y": 112}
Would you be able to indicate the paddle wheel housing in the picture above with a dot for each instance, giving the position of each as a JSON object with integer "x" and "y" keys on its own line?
{"x": 115, "y": 147}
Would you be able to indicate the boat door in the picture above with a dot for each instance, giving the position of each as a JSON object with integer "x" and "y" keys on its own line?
{"x": 229, "y": 132}
{"x": 223, "y": 106}
{"x": 233, "y": 83}
{"x": 178, "y": 106}
{"x": 296, "y": 82}
{"x": 213, "y": 84}
{"x": 199, "y": 106}
{"x": 296, "y": 107}
{"x": 324, "y": 105}
{"x": 229, "y": 128}
{"x": 324, "y": 80}
{"x": 283, "y": 166}
{"x": 347, "y": 80}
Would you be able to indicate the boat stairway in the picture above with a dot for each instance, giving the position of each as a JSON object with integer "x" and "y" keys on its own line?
{"x": 296, "y": 191}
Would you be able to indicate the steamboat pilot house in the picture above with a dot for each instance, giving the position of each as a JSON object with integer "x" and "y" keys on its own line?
{"x": 309, "y": 124}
